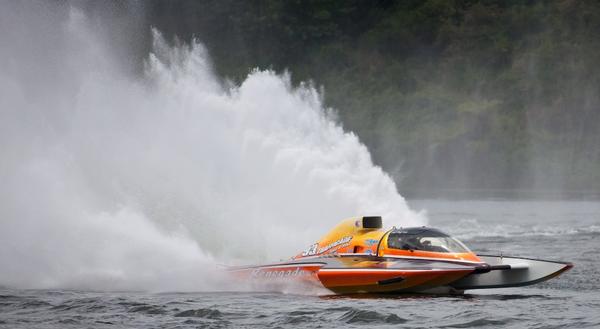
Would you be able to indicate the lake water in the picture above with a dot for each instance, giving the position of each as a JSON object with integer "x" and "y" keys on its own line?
{"x": 555, "y": 230}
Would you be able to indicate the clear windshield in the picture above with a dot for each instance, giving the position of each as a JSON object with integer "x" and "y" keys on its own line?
{"x": 426, "y": 243}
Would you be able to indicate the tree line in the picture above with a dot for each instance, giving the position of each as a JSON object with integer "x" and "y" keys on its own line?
{"x": 460, "y": 96}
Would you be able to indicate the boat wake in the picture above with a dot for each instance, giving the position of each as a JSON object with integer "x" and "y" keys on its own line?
{"x": 117, "y": 182}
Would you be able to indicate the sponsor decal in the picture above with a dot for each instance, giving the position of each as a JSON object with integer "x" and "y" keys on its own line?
{"x": 277, "y": 273}
{"x": 370, "y": 242}
{"x": 314, "y": 248}
{"x": 311, "y": 250}
{"x": 336, "y": 243}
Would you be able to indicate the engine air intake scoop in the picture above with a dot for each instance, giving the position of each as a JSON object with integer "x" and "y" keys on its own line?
{"x": 371, "y": 222}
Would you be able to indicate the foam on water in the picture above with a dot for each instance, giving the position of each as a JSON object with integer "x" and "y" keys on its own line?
{"x": 114, "y": 182}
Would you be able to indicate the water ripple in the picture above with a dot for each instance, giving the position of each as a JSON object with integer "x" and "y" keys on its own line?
{"x": 370, "y": 317}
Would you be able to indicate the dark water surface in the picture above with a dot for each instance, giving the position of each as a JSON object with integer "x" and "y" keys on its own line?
{"x": 552, "y": 230}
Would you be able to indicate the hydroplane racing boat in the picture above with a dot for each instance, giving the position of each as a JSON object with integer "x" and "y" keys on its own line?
{"x": 359, "y": 256}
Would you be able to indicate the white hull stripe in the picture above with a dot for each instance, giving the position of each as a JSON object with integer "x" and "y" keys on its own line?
{"x": 274, "y": 267}
{"x": 434, "y": 259}
{"x": 452, "y": 260}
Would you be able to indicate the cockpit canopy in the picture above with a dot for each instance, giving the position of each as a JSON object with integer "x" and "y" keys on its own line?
{"x": 424, "y": 239}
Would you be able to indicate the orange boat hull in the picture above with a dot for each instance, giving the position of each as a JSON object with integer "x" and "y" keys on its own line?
{"x": 355, "y": 275}
{"x": 380, "y": 281}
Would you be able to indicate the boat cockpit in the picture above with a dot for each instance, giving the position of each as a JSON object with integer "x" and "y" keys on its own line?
{"x": 424, "y": 239}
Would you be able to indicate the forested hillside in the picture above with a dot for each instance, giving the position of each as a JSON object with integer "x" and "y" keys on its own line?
{"x": 474, "y": 96}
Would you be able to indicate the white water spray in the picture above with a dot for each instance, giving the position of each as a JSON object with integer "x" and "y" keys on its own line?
{"x": 110, "y": 182}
